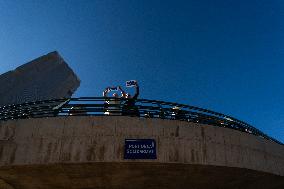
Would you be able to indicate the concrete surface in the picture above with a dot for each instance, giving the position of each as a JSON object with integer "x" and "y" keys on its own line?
{"x": 87, "y": 152}
{"x": 47, "y": 77}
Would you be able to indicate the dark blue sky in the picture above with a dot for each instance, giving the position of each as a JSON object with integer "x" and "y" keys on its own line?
{"x": 226, "y": 55}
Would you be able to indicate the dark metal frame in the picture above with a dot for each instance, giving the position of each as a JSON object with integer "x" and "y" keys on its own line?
{"x": 98, "y": 106}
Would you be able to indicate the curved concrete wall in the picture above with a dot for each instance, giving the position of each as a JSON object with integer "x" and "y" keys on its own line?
{"x": 101, "y": 139}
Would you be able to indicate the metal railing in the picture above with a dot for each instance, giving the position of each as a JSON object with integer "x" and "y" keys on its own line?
{"x": 101, "y": 106}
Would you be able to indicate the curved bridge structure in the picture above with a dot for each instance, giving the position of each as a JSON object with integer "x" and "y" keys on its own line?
{"x": 76, "y": 145}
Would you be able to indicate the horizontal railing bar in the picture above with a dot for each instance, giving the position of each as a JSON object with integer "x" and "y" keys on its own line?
{"x": 109, "y": 106}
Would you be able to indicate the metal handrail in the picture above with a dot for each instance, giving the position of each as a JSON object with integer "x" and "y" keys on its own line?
{"x": 102, "y": 106}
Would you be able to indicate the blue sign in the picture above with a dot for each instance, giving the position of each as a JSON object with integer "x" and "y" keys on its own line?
{"x": 131, "y": 83}
{"x": 140, "y": 149}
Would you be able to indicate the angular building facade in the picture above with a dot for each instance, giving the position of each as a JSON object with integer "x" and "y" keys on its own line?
{"x": 47, "y": 77}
